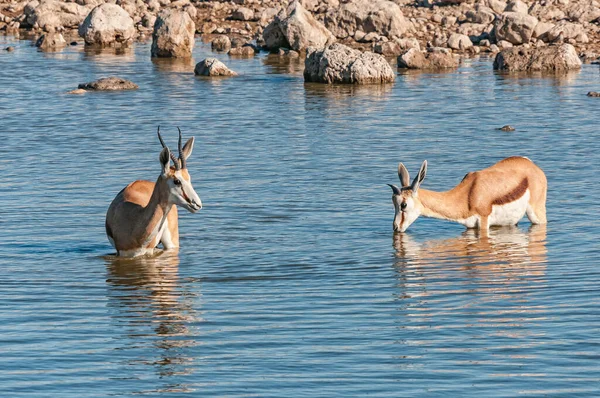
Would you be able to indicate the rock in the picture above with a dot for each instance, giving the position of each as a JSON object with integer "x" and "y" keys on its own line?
{"x": 380, "y": 16}
{"x": 109, "y": 84}
{"x": 9, "y": 49}
{"x": 566, "y": 30}
{"x": 106, "y": 25}
{"x": 246, "y": 51}
{"x": 338, "y": 63}
{"x": 436, "y": 59}
{"x": 481, "y": 15}
{"x": 448, "y": 21}
{"x": 503, "y": 44}
{"x": 552, "y": 58}
{"x": 498, "y": 6}
{"x": 77, "y": 91}
{"x": 508, "y": 127}
{"x": 584, "y": 11}
{"x": 51, "y": 41}
{"x": 593, "y": 94}
{"x": 173, "y": 34}
{"x": 212, "y": 67}
{"x": 514, "y": 27}
{"x": 541, "y": 28}
{"x": 51, "y": 15}
{"x": 459, "y": 42}
{"x": 221, "y": 43}
{"x": 517, "y": 6}
{"x": 298, "y": 31}
{"x": 243, "y": 14}
{"x": 588, "y": 57}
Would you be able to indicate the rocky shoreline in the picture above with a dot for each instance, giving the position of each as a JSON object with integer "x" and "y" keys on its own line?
{"x": 422, "y": 33}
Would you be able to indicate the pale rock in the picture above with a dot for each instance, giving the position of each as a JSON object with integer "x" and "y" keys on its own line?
{"x": 435, "y": 59}
{"x": 221, "y": 43}
{"x": 514, "y": 27}
{"x": 517, "y": 6}
{"x": 448, "y": 21}
{"x": 212, "y": 67}
{"x": 51, "y": 41}
{"x": 566, "y": 30}
{"x": 243, "y": 51}
{"x": 106, "y": 25}
{"x": 460, "y": 42}
{"x": 51, "y": 15}
{"x": 498, "y": 6}
{"x": 173, "y": 34}
{"x": 338, "y": 63}
{"x": 243, "y": 14}
{"x": 541, "y": 28}
{"x": 109, "y": 84}
{"x": 504, "y": 44}
{"x": 584, "y": 11}
{"x": 552, "y": 58}
{"x": 481, "y": 15}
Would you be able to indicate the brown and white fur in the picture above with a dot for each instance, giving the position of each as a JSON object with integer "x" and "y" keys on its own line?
{"x": 499, "y": 195}
{"x": 143, "y": 214}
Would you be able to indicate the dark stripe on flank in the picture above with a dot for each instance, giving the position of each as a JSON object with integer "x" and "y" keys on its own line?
{"x": 515, "y": 194}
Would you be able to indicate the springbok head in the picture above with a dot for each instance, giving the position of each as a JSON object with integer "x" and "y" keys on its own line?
{"x": 177, "y": 178}
{"x": 406, "y": 199}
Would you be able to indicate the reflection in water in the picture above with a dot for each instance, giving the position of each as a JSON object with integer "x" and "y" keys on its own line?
{"x": 155, "y": 314}
{"x": 343, "y": 91}
{"x": 284, "y": 65}
{"x": 116, "y": 54}
{"x": 533, "y": 78}
{"x": 178, "y": 65}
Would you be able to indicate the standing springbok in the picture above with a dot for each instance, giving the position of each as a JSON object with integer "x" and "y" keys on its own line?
{"x": 498, "y": 195}
{"x": 143, "y": 214}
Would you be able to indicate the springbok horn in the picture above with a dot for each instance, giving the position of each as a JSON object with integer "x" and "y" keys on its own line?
{"x": 173, "y": 158}
{"x": 180, "y": 151}
{"x": 395, "y": 189}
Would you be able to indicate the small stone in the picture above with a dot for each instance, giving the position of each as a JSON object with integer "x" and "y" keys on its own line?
{"x": 77, "y": 91}
{"x": 10, "y": 49}
{"x": 109, "y": 84}
{"x": 593, "y": 94}
{"x": 212, "y": 67}
{"x": 246, "y": 51}
{"x": 508, "y": 127}
{"x": 221, "y": 43}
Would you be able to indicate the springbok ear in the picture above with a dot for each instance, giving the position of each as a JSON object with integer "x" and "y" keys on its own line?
{"x": 395, "y": 189}
{"x": 187, "y": 148}
{"x": 419, "y": 178}
{"x": 403, "y": 174}
{"x": 164, "y": 158}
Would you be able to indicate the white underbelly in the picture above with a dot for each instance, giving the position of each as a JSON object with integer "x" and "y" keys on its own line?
{"x": 509, "y": 213}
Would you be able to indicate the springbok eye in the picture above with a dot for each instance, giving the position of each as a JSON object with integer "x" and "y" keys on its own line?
{"x": 177, "y": 182}
{"x": 403, "y": 205}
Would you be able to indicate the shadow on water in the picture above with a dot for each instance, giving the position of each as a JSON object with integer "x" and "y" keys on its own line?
{"x": 154, "y": 313}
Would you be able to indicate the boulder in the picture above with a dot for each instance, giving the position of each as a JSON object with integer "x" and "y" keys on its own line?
{"x": 173, "y": 34}
{"x": 51, "y": 15}
{"x": 551, "y": 58}
{"x": 221, "y": 43}
{"x": 296, "y": 29}
{"x": 108, "y": 84}
{"x": 498, "y": 6}
{"x": 338, "y": 63}
{"x": 566, "y": 30}
{"x": 584, "y": 10}
{"x": 436, "y": 59}
{"x": 393, "y": 48}
{"x": 106, "y": 25}
{"x": 514, "y": 27}
{"x": 517, "y": 6}
{"x": 242, "y": 14}
{"x": 51, "y": 41}
{"x": 541, "y": 28}
{"x": 481, "y": 15}
{"x": 459, "y": 42}
{"x": 212, "y": 67}
{"x": 380, "y": 16}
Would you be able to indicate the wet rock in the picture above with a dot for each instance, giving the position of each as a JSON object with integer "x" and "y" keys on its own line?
{"x": 106, "y": 25}
{"x": 552, "y": 58}
{"x": 514, "y": 27}
{"x": 435, "y": 59}
{"x": 338, "y": 63}
{"x": 593, "y": 94}
{"x": 52, "y": 15}
{"x": 298, "y": 30}
{"x": 51, "y": 41}
{"x": 109, "y": 84}
{"x": 380, "y": 16}
{"x": 212, "y": 67}
{"x": 221, "y": 43}
{"x": 173, "y": 34}
{"x": 459, "y": 42}
{"x": 245, "y": 51}
{"x": 243, "y": 14}
{"x": 508, "y": 127}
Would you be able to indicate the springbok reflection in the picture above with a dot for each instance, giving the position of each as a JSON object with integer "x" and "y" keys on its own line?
{"x": 155, "y": 313}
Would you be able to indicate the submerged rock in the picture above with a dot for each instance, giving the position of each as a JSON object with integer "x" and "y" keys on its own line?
{"x": 245, "y": 51}
{"x": 593, "y": 94}
{"x": 341, "y": 64}
{"x": 508, "y": 127}
{"x": 212, "y": 67}
{"x": 552, "y": 58}
{"x": 51, "y": 41}
{"x": 108, "y": 84}
{"x": 106, "y": 25}
{"x": 221, "y": 43}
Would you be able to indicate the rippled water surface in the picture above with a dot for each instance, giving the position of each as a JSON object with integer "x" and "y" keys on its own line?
{"x": 290, "y": 282}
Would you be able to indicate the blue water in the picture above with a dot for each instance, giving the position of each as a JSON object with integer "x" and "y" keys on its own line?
{"x": 290, "y": 282}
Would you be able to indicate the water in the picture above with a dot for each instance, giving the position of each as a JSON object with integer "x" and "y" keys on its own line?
{"x": 290, "y": 281}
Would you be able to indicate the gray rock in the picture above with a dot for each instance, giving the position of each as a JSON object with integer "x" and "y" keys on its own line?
{"x": 212, "y": 67}
{"x": 338, "y": 63}
{"x": 108, "y": 84}
{"x": 515, "y": 27}
{"x": 435, "y": 59}
{"x": 51, "y": 41}
{"x": 173, "y": 34}
{"x": 552, "y": 58}
{"x": 221, "y": 43}
{"x": 106, "y": 25}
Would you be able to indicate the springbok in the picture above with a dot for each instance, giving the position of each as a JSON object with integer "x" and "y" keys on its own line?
{"x": 498, "y": 195}
{"x": 143, "y": 214}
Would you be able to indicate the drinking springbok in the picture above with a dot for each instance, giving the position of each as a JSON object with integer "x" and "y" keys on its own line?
{"x": 143, "y": 214}
{"x": 498, "y": 195}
